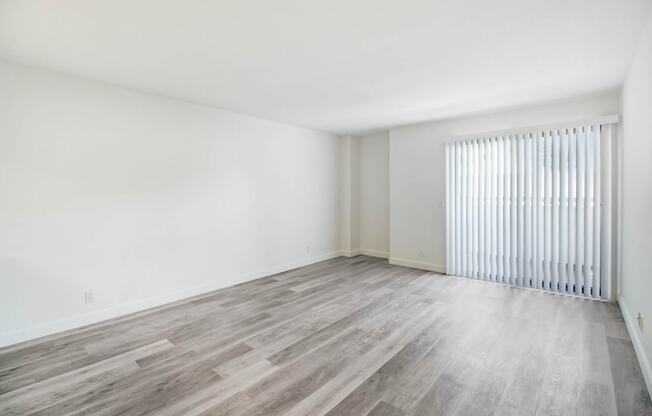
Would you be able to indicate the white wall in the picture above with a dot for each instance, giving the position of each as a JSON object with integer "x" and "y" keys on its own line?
{"x": 349, "y": 182}
{"x": 417, "y": 172}
{"x": 374, "y": 194}
{"x": 636, "y": 262}
{"x": 364, "y": 195}
{"x": 142, "y": 200}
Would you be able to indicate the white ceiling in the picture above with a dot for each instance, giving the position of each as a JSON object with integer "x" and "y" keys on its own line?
{"x": 344, "y": 66}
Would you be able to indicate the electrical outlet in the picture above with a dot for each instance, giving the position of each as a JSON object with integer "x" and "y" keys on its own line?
{"x": 307, "y": 249}
{"x": 88, "y": 297}
{"x": 421, "y": 253}
{"x": 639, "y": 318}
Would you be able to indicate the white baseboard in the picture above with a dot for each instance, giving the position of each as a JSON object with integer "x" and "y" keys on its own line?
{"x": 365, "y": 252}
{"x": 374, "y": 253}
{"x": 418, "y": 264}
{"x": 634, "y": 334}
{"x": 54, "y": 328}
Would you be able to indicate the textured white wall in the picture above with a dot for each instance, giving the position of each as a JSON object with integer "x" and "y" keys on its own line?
{"x": 374, "y": 194}
{"x": 142, "y": 200}
{"x": 636, "y": 262}
{"x": 417, "y": 172}
{"x": 349, "y": 182}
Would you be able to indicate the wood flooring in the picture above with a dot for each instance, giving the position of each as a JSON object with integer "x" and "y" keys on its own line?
{"x": 348, "y": 336}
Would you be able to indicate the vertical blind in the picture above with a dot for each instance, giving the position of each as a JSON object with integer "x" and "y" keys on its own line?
{"x": 533, "y": 208}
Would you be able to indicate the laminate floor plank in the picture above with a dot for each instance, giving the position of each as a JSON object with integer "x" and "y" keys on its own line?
{"x": 385, "y": 409}
{"x": 335, "y": 390}
{"x": 631, "y": 395}
{"x": 346, "y": 336}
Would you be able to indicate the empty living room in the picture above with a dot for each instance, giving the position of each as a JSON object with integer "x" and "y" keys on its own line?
{"x": 326, "y": 208}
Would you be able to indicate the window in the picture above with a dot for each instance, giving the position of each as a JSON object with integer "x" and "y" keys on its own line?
{"x": 532, "y": 208}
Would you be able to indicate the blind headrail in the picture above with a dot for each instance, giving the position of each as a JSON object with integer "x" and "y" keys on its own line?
{"x": 603, "y": 120}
